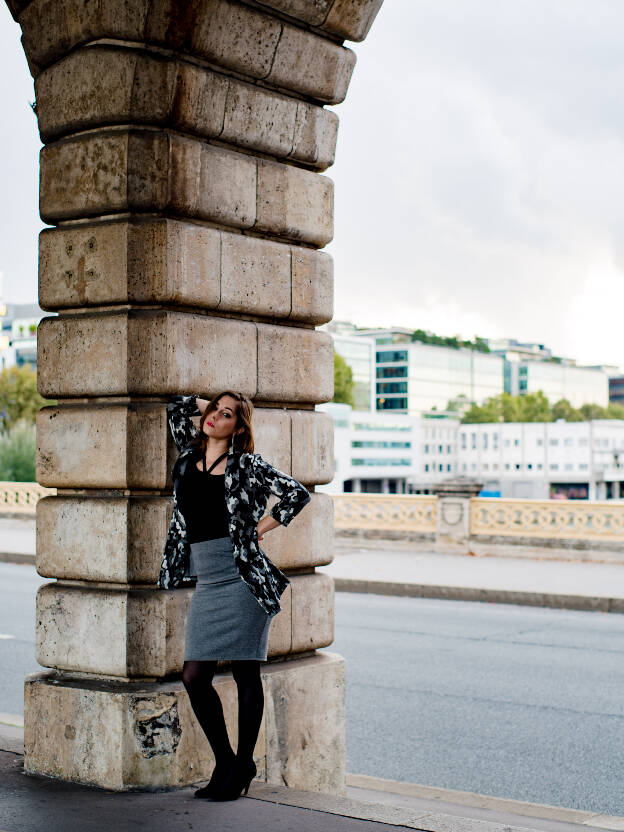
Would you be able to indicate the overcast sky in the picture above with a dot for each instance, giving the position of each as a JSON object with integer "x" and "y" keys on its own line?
{"x": 479, "y": 173}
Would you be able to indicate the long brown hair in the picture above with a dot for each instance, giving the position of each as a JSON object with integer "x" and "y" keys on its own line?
{"x": 243, "y": 441}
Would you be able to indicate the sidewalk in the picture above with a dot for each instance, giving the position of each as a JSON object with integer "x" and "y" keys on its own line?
{"x": 390, "y": 568}
{"x": 33, "y": 803}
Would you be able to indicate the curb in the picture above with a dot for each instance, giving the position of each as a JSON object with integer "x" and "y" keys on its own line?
{"x": 468, "y": 593}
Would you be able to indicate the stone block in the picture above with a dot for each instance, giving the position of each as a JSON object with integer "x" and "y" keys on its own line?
{"x": 153, "y": 738}
{"x": 307, "y": 540}
{"x": 294, "y": 203}
{"x": 120, "y": 539}
{"x": 148, "y": 171}
{"x": 312, "y": 446}
{"x": 126, "y": 633}
{"x": 291, "y": 361}
{"x": 227, "y": 34}
{"x": 313, "y": 66}
{"x": 74, "y": 444}
{"x": 351, "y": 19}
{"x": 157, "y": 352}
{"x": 113, "y": 632}
{"x": 97, "y": 538}
{"x": 305, "y": 713}
{"x": 168, "y": 261}
{"x": 255, "y": 278}
{"x": 312, "y": 285}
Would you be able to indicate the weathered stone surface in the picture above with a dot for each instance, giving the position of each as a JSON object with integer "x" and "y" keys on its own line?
{"x": 74, "y": 444}
{"x": 115, "y": 632}
{"x": 294, "y": 203}
{"x": 318, "y": 68}
{"x": 311, "y": 694}
{"x": 312, "y": 446}
{"x": 96, "y": 538}
{"x": 158, "y": 352}
{"x": 140, "y": 632}
{"x": 153, "y": 738}
{"x": 293, "y": 361}
{"x": 147, "y": 171}
{"x": 308, "y": 540}
{"x": 233, "y": 36}
{"x": 351, "y": 19}
{"x": 312, "y": 611}
{"x": 169, "y": 261}
{"x": 121, "y": 539}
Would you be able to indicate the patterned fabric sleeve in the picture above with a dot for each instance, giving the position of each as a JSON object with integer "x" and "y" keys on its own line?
{"x": 293, "y": 495}
{"x": 179, "y": 412}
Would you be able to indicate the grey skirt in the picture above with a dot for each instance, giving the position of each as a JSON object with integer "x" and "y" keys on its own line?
{"x": 225, "y": 621}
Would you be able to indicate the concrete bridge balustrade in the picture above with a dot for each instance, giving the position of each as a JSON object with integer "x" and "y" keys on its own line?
{"x": 185, "y": 142}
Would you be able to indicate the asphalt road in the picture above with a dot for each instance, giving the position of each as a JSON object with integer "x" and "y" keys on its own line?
{"x": 510, "y": 701}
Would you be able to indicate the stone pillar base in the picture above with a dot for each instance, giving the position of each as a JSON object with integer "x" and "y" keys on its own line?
{"x": 130, "y": 735}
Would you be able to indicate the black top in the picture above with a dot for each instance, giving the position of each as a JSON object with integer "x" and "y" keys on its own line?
{"x": 201, "y": 499}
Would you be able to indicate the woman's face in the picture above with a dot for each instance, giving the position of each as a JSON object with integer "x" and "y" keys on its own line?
{"x": 220, "y": 421}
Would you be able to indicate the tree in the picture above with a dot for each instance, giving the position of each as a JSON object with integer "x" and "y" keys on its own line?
{"x": 562, "y": 409}
{"x": 343, "y": 381}
{"x": 533, "y": 407}
{"x": 593, "y": 411}
{"x": 19, "y": 398}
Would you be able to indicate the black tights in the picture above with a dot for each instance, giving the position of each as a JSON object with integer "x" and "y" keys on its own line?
{"x": 197, "y": 679}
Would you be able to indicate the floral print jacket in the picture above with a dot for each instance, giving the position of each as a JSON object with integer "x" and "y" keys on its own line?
{"x": 249, "y": 480}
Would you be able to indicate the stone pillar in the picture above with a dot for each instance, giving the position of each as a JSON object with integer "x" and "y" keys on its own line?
{"x": 453, "y": 513}
{"x": 182, "y": 176}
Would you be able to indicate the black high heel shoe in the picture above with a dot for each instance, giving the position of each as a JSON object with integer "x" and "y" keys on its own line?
{"x": 239, "y": 780}
{"x": 219, "y": 775}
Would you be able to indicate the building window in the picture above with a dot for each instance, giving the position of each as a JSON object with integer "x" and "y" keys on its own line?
{"x": 516, "y": 443}
{"x": 553, "y": 442}
{"x": 569, "y": 466}
{"x": 441, "y": 467}
{"x": 540, "y": 442}
{"x": 583, "y": 466}
{"x": 568, "y": 442}
{"x": 507, "y": 443}
{"x": 448, "y": 467}
{"x": 465, "y": 466}
{"x": 530, "y": 466}
{"x": 448, "y": 449}
{"x": 495, "y": 441}
{"x": 583, "y": 441}
{"x": 474, "y": 466}
{"x": 517, "y": 466}
{"x": 485, "y": 441}
{"x": 426, "y": 449}
{"x": 539, "y": 466}
{"x": 485, "y": 466}
{"x": 427, "y": 467}
{"x": 440, "y": 449}
{"x": 554, "y": 466}
{"x": 473, "y": 440}
{"x": 506, "y": 466}
{"x": 463, "y": 441}
{"x": 495, "y": 466}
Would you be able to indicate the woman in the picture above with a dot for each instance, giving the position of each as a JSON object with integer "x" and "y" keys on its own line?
{"x": 220, "y": 491}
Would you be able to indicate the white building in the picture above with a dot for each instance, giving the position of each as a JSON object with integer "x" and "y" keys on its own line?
{"x": 539, "y": 460}
{"x": 373, "y": 452}
{"x": 18, "y": 334}
{"x": 398, "y": 453}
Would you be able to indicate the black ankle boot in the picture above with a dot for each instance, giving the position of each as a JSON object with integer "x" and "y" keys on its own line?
{"x": 239, "y": 779}
{"x": 220, "y": 773}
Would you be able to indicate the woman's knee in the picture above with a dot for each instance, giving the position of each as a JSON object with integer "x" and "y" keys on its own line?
{"x": 197, "y": 674}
